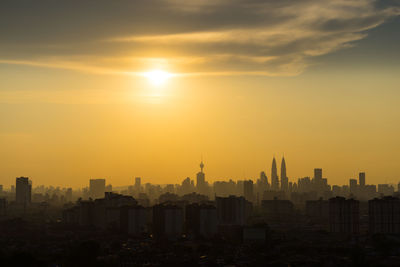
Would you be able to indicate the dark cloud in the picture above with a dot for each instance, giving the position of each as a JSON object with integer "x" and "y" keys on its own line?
{"x": 270, "y": 37}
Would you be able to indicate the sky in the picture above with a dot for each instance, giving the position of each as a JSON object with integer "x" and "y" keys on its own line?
{"x": 314, "y": 80}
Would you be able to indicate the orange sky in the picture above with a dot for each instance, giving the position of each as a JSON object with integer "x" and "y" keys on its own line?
{"x": 314, "y": 80}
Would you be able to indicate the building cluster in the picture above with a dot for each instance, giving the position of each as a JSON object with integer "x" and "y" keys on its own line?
{"x": 227, "y": 215}
{"x": 170, "y": 219}
{"x": 197, "y": 208}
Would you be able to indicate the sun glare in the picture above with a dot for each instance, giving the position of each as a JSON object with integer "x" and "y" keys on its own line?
{"x": 157, "y": 77}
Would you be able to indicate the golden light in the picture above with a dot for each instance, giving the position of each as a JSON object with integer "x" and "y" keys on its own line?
{"x": 157, "y": 77}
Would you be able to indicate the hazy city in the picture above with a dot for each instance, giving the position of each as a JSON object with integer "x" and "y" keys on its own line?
{"x": 199, "y": 133}
{"x": 202, "y": 217}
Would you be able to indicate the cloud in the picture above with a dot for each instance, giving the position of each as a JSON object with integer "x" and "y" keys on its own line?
{"x": 264, "y": 37}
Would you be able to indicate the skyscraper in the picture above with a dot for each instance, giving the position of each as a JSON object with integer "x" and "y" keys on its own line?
{"x": 97, "y": 188}
{"x": 344, "y": 215}
{"x": 318, "y": 175}
{"x": 264, "y": 178}
{"x": 353, "y": 186}
{"x": 274, "y": 176}
{"x": 318, "y": 183}
{"x": 23, "y": 190}
{"x": 284, "y": 179}
{"x": 248, "y": 190}
{"x": 361, "y": 179}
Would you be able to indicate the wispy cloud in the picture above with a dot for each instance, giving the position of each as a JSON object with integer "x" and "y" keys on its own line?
{"x": 189, "y": 37}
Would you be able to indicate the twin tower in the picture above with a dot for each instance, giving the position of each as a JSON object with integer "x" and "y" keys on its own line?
{"x": 284, "y": 183}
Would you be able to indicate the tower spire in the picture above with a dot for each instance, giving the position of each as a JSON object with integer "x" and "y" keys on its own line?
{"x": 201, "y": 164}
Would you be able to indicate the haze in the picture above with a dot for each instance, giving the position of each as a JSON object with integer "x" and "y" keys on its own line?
{"x": 317, "y": 81}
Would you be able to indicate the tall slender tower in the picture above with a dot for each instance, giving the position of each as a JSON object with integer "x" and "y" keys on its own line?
{"x": 284, "y": 178}
{"x": 201, "y": 181}
{"x": 274, "y": 176}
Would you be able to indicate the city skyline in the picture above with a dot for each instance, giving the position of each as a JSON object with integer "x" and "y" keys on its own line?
{"x": 143, "y": 88}
{"x": 199, "y": 133}
{"x": 275, "y": 181}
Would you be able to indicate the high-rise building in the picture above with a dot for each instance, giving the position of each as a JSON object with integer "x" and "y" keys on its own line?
{"x": 344, "y": 215}
{"x": 318, "y": 174}
{"x": 201, "y": 220}
{"x": 353, "y": 186}
{"x": 23, "y": 190}
{"x": 274, "y": 176}
{"x": 232, "y": 210}
{"x": 384, "y": 215}
{"x": 361, "y": 179}
{"x": 248, "y": 190}
{"x": 167, "y": 221}
{"x": 318, "y": 182}
{"x": 264, "y": 178}
{"x": 284, "y": 178}
{"x": 97, "y": 187}
{"x": 186, "y": 187}
{"x": 134, "y": 219}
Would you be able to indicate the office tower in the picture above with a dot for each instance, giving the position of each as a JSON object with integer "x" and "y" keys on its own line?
{"x": 274, "y": 176}
{"x": 232, "y": 210}
{"x": 318, "y": 174}
{"x": 361, "y": 179}
{"x": 186, "y": 187}
{"x": 201, "y": 220}
{"x": 107, "y": 212}
{"x": 97, "y": 187}
{"x": 23, "y": 190}
{"x": 353, "y": 186}
{"x": 201, "y": 185}
{"x": 384, "y": 215}
{"x": 264, "y": 178}
{"x": 248, "y": 190}
{"x": 284, "y": 178}
{"x": 318, "y": 184}
{"x": 344, "y": 215}
{"x": 336, "y": 191}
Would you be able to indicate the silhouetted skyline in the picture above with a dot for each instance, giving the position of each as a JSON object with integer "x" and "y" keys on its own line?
{"x": 199, "y": 133}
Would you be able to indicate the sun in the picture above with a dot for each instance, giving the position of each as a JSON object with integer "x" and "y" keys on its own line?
{"x": 157, "y": 77}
